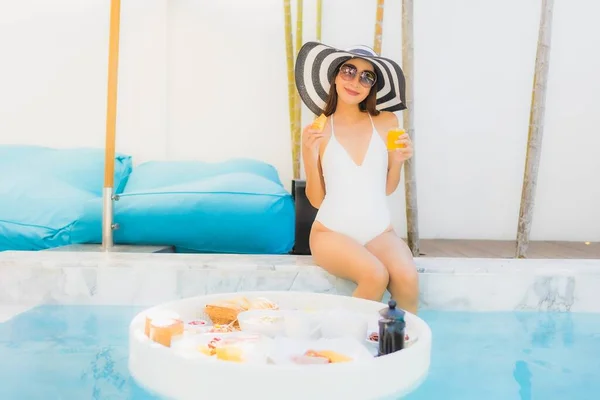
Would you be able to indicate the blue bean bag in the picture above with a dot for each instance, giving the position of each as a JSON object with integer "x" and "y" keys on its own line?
{"x": 44, "y": 192}
{"x": 236, "y": 206}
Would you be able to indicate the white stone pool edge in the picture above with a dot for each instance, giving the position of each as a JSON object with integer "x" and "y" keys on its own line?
{"x": 453, "y": 284}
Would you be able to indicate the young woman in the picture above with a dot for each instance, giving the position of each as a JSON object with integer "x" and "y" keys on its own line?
{"x": 350, "y": 172}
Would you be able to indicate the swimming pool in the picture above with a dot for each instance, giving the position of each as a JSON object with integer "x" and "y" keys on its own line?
{"x": 80, "y": 352}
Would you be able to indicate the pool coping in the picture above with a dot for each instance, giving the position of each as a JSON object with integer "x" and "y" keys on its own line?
{"x": 425, "y": 265}
{"x": 457, "y": 284}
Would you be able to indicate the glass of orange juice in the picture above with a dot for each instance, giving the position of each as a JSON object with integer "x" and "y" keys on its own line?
{"x": 393, "y": 135}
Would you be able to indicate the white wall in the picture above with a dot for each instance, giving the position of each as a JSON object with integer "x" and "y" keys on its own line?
{"x": 207, "y": 80}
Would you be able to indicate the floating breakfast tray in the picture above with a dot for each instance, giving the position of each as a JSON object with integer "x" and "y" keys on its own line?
{"x": 176, "y": 351}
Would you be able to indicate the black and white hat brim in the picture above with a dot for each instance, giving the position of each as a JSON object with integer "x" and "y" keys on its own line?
{"x": 317, "y": 64}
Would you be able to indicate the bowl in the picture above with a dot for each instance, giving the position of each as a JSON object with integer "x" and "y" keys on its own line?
{"x": 302, "y": 325}
{"x": 341, "y": 323}
{"x": 265, "y": 322}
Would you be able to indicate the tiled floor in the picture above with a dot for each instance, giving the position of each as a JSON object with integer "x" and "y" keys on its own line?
{"x": 506, "y": 249}
{"x": 431, "y": 248}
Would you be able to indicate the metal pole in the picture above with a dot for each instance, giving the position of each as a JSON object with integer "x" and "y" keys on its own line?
{"x": 111, "y": 123}
{"x": 107, "y": 218}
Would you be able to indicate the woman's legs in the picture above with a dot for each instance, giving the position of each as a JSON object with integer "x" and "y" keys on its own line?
{"x": 344, "y": 257}
{"x": 398, "y": 260}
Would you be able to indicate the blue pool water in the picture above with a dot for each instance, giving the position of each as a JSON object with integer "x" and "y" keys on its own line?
{"x": 77, "y": 352}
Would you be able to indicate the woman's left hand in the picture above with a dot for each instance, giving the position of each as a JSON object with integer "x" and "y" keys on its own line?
{"x": 405, "y": 152}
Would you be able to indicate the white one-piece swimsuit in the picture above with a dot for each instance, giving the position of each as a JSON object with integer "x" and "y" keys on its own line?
{"x": 355, "y": 201}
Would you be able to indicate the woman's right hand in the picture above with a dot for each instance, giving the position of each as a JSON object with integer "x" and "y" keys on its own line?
{"x": 311, "y": 141}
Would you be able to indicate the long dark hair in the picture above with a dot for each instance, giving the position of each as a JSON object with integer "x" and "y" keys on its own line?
{"x": 369, "y": 104}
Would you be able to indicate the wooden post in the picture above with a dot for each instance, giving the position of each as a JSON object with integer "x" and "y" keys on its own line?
{"x": 297, "y": 133}
{"x": 111, "y": 123}
{"x": 289, "y": 52}
{"x": 319, "y": 19}
{"x": 410, "y": 177}
{"x": 536, "y": 128}
{"x": 378, "y": 27}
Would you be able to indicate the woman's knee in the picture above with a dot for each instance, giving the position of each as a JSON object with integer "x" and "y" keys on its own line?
{"x": 404, "y": 276}
{"x": 343, "y": 257}
{"x": 375, "y": 275}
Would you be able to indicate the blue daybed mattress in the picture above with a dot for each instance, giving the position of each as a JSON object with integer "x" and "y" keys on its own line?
{"x": 45, "y": 191}
{"x": 53, "y": 197}
{"x": 236, "y": 206}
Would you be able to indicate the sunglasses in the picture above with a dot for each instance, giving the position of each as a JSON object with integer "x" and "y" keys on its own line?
{"x": 366, "y": 78}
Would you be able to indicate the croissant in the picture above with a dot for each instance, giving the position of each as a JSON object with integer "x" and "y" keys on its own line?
{"x": 263, "y": 304}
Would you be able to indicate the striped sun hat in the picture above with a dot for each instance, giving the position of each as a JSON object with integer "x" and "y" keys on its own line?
{"x": 317, "y": 64}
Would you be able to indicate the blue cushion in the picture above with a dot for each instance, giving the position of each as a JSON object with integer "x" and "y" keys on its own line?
{"x": 44, "y": 192}
{"x": 236, "y": 206}
{"x": 79, "y": 167}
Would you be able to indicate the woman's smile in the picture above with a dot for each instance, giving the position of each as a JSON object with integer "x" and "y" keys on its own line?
{"x": 351, "y": 92}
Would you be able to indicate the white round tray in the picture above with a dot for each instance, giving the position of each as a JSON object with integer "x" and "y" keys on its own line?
{"x": 165, "y": 373}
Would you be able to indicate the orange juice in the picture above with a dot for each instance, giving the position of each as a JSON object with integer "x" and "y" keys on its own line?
{"x": 162, "y": 331}
{"x": 393, "y": 135}
{"x": 161, "y": 314}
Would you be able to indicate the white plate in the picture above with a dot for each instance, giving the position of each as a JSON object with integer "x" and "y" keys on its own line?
{"x": 285, "y": 348}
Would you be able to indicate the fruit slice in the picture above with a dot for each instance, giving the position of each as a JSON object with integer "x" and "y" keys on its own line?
{"x": 229, "y": 353}
{"x": 332, "y": 356}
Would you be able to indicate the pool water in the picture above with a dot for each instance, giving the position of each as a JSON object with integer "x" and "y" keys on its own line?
{"x": 80, "y": 352}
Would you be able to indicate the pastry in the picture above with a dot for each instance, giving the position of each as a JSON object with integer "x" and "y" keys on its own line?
{"x": 225, "y": 312}
{"x": 319, "y": 123}
{"x": 262, "y": 304}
